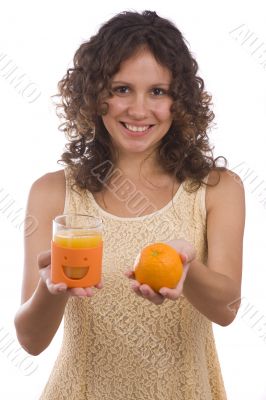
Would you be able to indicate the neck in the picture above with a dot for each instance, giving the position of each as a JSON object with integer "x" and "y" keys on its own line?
{"x": 136, "y": 166}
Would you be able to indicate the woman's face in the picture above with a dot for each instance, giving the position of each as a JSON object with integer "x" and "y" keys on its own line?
{"x": 139, "y": 113}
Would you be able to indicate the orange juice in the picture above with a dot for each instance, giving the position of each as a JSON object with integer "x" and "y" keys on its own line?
{"x": 77, "y": 239}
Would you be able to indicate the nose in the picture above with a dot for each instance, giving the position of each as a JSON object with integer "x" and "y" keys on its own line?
{"x": 138, "y": 107}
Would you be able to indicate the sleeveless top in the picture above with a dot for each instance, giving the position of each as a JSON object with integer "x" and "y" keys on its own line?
{"x": 119, "y": 346}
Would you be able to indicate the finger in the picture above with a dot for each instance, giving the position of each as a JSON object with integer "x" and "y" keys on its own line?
{"x": 88, "y": 292}
{"x": 151, "y": 295}
{"x": 136, "y": 289}
{"x": 99, "y": 285}
{"x": 146, "y": 290}
{"x": 44, "y": 258}
{"x": 130, "y": 274}
{"x": 81, "y": 292}
{"x": 184, "y": 275}
{"x": 135, "y": 286}
{"x": 184, "y": 257}
{"x": 183, "y": 247}
{"x": 55, "y": 288}
{"x": 45, "y": 273}
{"x": 171, "y": 294}
{"x": 157, "y": 300}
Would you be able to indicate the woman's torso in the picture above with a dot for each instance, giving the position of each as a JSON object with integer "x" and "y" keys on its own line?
{"x": 117, "y": 345}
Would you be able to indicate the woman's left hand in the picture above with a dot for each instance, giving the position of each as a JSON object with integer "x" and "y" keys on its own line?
{"x": 187, "y": 253}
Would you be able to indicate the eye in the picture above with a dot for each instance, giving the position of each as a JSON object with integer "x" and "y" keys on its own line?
{"x": 120, "y": 89}
{"x": 158, "y": 91}
{"x": 65, "y": 257}
{"x": 85, "y": 259}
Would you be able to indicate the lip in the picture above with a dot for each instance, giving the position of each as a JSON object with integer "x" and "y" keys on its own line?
{"x": 135, "y": 134}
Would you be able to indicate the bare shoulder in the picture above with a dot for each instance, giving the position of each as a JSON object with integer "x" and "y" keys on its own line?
{"x": 49, "y": 189}
{"x": 49, "y": 180}
{"x": 46, "y": 200}
{"x": 225, "y": 186}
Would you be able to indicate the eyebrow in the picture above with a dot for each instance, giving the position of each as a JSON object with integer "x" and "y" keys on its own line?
{"x": 129, "y": 84}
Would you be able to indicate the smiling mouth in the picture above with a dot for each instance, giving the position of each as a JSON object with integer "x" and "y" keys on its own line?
{"x": 136, "y": 129}
{"x": 75, "y": 272}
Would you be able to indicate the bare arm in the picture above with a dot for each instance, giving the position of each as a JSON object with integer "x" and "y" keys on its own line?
{"x": 212, "y": 289}
{"x": 41, "y": 312}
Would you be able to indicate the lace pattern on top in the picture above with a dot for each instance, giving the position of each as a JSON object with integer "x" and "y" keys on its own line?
{"x": 118, "y": 346}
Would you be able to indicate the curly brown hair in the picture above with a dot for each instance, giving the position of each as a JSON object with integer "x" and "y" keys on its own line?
{"x": 184, "y": 151}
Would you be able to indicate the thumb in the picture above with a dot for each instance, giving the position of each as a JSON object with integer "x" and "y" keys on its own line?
{"x": 44, "y": 258}
{"x": 44, "y": 273}
{"x": 184, "y": 258}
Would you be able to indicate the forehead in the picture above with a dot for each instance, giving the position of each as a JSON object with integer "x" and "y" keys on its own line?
{"x": 142, "y": 66}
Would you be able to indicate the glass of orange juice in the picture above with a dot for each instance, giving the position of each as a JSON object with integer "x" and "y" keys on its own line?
{"x": 76, "y": 250}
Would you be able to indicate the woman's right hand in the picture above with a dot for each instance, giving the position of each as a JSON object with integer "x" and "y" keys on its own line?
{"x": 44, "y": 263}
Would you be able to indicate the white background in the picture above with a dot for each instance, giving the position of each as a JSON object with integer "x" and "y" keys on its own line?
{"x": 40, "y": 38}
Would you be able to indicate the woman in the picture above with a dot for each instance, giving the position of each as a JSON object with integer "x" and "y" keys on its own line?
{"x": 136, "y": 115}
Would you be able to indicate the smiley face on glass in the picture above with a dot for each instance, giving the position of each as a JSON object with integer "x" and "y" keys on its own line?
{"x": 74, "y": 263}
{"x": 75, "y": 266}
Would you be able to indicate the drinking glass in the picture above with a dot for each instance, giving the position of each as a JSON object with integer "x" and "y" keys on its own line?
{"x": 76, "y": 250}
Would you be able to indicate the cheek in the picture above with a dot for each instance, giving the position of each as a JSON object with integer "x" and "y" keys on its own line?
{"x": 115, "y": 109}
{"x": 116, "y": 106}
{"x": 164, "y": 115}
{"x": 163, "y": 111}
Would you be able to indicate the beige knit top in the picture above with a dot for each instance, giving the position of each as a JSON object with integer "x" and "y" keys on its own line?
{"x": 119, "y": 346}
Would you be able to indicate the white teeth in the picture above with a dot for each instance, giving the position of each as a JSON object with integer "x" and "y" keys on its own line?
{"x": 137, "y": 128}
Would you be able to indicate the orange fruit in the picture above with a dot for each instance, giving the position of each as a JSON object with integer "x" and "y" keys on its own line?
{"x": 158, "y": 265}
